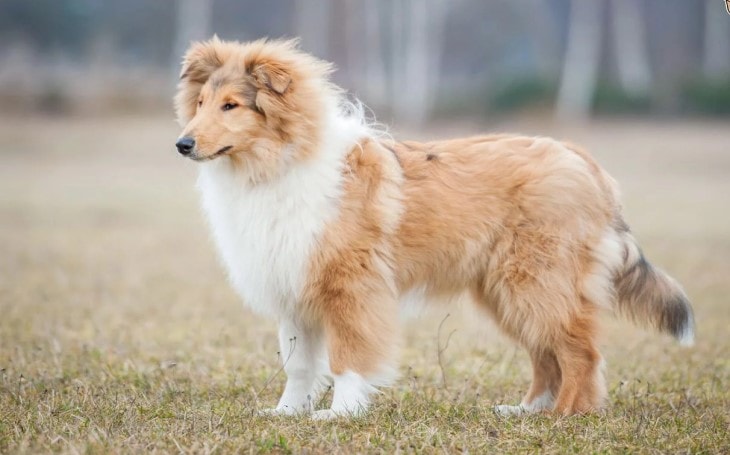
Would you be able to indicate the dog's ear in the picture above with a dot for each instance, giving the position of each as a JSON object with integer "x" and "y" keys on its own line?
{"x": 273, "y": 95}
{"x": 273, "y": 76}
{"x": 201, "y": 60}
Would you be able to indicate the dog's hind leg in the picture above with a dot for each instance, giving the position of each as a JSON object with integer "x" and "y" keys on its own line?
{"x": 533, "y": 298}
{"x": 546, "y": 380}
{"x": 582, "y": 387}
{"x": 545, "y": 370}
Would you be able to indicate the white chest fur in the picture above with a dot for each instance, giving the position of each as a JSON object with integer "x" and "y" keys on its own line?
{"x": 266, "y": 233}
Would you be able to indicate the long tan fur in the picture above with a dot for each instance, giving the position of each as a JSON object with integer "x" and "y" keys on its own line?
{"x": 530, "y": 226}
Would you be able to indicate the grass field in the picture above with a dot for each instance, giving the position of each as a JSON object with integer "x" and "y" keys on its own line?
{"x": 118, "y": 332}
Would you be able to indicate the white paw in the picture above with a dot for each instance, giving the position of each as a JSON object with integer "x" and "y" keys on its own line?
{"x": 324, "y": 414}
{"x": 509, "y": 410}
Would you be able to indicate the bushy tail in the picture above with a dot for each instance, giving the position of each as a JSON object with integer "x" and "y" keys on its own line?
{"x": 649, "y": 296}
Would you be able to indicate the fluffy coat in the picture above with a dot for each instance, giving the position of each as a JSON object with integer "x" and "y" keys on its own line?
{"x": 324, "y": 225}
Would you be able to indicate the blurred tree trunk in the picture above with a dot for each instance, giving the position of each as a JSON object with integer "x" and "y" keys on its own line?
{"x": 630, "y": 47}
{"x": 436, "y": 28}
{"x": 313, "y": 25}
{"x": 375, "y": 71}
{"x": 398, "y": 22}
{"x": 543, "y": 34}
{"x": 582, "y": 56}
{"x": 352, "y": 23}
{"x": 412, "y": 99}
{"x": 716, "y": 53}
{"x": 192, "y": 24}
{"x": 417, "y": 27}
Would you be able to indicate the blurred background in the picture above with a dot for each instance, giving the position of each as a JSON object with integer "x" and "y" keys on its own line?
{"x": 412, "y": 61}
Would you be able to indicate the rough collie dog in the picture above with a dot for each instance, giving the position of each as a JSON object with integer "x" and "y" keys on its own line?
{"x": 324, "y": 225}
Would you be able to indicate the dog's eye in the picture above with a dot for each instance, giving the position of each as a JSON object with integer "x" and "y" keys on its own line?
{"x": 229, "y": 106}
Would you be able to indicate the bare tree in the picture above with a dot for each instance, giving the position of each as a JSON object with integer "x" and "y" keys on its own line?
{"x": 716, "y": 55}
{"x": 582, "y": 57}
{"x": 193, "y": 23}
{"x": 313, "y": 25}
{"x": 417, "y": 33}
{"x": 398, "y": 25}
{"x": 630, "y": 47}
{"x": 412, "y": 101}
{"x": 543, "y": 33}
{"x": 375, "y": 70}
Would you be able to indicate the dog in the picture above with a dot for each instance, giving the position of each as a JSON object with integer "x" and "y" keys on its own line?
{"x": 324, "y": 224}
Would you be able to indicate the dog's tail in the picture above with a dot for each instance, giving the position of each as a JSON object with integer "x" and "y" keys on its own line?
{"x": 649, "y": 296}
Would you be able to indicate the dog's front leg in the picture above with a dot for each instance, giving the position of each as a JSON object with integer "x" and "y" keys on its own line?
{"x": 351, "y": 397}
{"x": 362, "y": 338}
{"x": 304, "y": 356}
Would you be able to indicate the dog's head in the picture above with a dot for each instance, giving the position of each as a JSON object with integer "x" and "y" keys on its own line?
{"x": 260, "y": 104}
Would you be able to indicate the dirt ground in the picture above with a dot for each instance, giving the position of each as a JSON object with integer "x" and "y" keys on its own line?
{"x": 118, "y": 331}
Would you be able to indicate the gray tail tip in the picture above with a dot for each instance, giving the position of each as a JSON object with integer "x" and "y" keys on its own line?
{"x": 687, "y": 338}
{"x": 686, "y": 333}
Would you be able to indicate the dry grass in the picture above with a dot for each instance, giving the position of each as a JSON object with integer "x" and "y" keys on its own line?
{"x": 119, "y": 333}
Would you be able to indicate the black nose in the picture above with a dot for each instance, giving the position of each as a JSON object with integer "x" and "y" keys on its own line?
{"x": 185, "y": 145}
